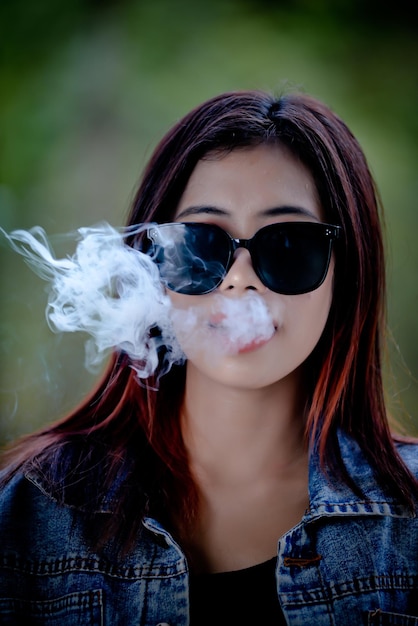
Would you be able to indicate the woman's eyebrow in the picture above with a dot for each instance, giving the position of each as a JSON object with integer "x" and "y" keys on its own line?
{"x": 288, "y": 210}
{"x": 271, "y": 212}
{"x": 197, "y": 210}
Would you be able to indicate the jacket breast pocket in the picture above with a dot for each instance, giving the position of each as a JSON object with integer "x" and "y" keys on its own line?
{"x": 84, "y": 608}
{"x": 383, "y": 618}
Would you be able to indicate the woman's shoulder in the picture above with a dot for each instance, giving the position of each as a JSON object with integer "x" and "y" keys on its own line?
{"x": 70, "y": 475}
{"x": 24, "y": 507}
{"x": 407, "y": 448}
{"x": 13, "y": 484}
{"x": 83, "y": 473}
{"x": 24, "y": 487}
{"x": 58, "y": 495}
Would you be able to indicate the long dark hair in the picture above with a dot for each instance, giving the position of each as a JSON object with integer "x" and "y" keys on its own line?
{"x": 130, "y": 430}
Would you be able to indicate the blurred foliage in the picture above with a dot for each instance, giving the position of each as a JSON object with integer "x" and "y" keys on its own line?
{"x": 89, "y": 87}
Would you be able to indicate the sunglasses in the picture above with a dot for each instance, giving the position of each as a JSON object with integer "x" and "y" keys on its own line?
{"x": 289, "y": 258}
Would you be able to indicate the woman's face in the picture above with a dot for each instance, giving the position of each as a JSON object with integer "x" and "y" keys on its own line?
{"x": 242, "y": 334}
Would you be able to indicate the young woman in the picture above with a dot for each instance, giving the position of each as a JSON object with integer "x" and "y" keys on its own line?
{"x": 258, "y": 480}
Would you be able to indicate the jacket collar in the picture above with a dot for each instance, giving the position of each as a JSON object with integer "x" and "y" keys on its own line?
{"x": 330, "y": 496}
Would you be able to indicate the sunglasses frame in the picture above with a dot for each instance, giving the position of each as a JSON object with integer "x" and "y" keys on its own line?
{"x": 331, "y": 232}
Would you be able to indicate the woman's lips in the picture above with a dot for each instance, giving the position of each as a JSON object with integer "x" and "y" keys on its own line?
{"x": 253, "y": 345}
{"x": 248, "y": 341}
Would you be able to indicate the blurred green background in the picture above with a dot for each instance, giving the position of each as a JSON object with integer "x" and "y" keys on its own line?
{"x": 89, "y": 87}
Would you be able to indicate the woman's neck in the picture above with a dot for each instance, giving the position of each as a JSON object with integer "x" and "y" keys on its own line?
{"x": 232, "y": 434}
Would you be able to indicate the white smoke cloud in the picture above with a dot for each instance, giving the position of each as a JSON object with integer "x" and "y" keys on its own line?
{"x": 106, "y": 289}
{"x": 113, "y": 293}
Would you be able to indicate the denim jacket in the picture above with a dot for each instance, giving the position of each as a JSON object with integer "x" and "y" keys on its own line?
{"x": 349, "y": 562}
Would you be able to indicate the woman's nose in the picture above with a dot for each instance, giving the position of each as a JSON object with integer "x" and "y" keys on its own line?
{"x": 241, "y": 275}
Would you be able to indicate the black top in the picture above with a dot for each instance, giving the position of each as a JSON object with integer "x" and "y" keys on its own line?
{"x": 246, "y": 596}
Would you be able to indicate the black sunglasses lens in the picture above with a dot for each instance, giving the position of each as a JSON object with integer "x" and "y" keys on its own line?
{"x": 292, "y": 258}
{"x": 192, "y": 258}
